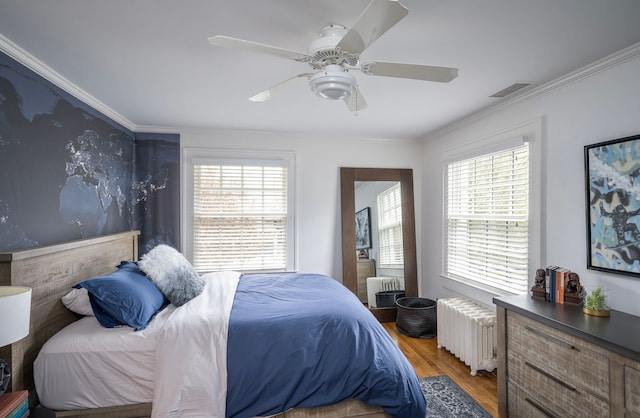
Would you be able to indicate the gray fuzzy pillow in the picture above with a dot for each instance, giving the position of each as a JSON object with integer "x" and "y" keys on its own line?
{"x": 172, "y": 274}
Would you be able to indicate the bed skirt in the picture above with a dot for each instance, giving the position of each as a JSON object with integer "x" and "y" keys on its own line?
{"x": 344, "y": 409}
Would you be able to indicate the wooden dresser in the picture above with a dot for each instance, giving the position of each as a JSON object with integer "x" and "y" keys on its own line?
{"x": 556, "y": 361}
{"x": 364, "y": 269}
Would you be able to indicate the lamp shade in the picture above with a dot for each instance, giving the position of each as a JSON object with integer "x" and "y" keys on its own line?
{"x": 15, "y": 313}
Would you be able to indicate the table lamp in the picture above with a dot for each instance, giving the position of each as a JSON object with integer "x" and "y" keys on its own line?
{"x": 15, "y": 313}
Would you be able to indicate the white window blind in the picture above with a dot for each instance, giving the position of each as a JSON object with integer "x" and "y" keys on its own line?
{"x": 390, "y": 227}
{"x": 488, "y": 219}
{"x": 240, "y": 217}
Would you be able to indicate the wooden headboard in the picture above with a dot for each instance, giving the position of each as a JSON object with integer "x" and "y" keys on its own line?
{"x": 51, "y": 271}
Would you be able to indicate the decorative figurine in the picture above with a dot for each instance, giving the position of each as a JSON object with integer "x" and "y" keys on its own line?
{"x": 539, "y": 289}
{"x": 573, "y": 292}
{"x": 540, "y": 278}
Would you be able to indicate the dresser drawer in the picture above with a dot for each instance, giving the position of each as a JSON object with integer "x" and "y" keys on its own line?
{"x": 522, "y": 405}
{"x": 364, "y": 269}
{"x": 551, "y": 392}
{"x": 632, "y": 390}
{"x": 526, "y": 407}
{"x": 577, "y": 362}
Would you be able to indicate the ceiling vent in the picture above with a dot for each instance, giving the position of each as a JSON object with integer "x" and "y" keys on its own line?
{"x": 511, "y": 89}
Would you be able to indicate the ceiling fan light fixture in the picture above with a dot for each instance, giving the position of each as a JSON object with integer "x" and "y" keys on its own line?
{"x": 334, "y": 82}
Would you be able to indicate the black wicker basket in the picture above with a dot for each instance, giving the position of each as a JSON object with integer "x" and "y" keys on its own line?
{"x": 387, "y": 298}
{"x": 417, "y": 317}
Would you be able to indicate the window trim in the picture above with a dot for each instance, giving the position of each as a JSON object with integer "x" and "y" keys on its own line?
{"x": 531, "y": 132}
{"x": 191, "y": 156}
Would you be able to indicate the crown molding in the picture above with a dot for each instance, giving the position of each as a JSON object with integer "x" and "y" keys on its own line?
{"x": 37, "y": 66}
{"x": 153, "y": 129}
{"x": 604, "y": 64}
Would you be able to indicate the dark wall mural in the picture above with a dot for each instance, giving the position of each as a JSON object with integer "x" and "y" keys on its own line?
{"x": 157, "y": 190}
{"x": 68, "y": 172}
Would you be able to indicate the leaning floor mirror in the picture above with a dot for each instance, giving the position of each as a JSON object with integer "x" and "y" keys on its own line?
{"x": 361, "y": 250}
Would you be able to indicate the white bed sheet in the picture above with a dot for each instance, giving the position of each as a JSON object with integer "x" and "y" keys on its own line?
{"x": 191, "y": 355}
{"x": 88, "y": 366}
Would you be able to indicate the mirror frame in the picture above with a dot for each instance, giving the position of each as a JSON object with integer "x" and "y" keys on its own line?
{"x": 348, "y": 177}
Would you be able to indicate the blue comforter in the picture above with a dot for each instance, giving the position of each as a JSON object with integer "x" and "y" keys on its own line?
{"x": 306, "y": 341}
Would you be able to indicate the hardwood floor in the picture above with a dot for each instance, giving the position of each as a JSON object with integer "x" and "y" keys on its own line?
{"x": 428, "y": 360}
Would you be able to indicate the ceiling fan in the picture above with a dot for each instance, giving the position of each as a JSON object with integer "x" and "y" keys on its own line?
{"x": 337, "y": 51}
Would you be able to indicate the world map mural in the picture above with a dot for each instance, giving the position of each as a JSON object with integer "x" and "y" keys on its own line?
{"x": 68, "y": 172}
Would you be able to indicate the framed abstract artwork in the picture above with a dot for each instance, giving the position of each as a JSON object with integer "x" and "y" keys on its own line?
{"x": 363, "y": 229}
{"x": 612, "y": 174}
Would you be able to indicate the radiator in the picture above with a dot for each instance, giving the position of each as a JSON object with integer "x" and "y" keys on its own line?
{"x": 381, "y": 284}
{"x": 469, "y": 332}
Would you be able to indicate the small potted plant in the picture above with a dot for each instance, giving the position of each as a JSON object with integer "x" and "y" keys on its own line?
{"x": 596, "y": 302}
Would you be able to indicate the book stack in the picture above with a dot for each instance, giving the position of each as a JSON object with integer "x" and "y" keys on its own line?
{"x": 558, "y": 285}
{"x": 557, "y": 279}
{"x": 14, "y": 404}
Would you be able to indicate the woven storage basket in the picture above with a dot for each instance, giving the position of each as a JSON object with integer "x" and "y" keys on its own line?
{"x": 387, "y": 298}
{"x": 417, "y": 317}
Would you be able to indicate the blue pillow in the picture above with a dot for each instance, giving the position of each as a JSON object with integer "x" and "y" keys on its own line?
{"x": 124, "y": 297}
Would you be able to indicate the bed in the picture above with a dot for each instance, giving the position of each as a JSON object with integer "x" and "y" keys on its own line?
{"x": 52, "y": 271}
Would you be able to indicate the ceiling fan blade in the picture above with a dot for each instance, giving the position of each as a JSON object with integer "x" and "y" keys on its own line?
{"x": 228, "y": 42}
{"x": 356, "y": 101}
{"x": 412, "y": 71}
{"x": 377, "y": 18}
{"x": 278, "y": 88}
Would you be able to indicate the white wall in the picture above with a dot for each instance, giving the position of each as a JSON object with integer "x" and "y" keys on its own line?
{"x": 317, "y": 177}
{"x": 584, "y": 108}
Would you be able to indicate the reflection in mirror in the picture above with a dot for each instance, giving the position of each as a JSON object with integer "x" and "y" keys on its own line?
{"x": 380, "y": 265}
{"x": 390, "y": 257}
{"x": 385, "y": 226}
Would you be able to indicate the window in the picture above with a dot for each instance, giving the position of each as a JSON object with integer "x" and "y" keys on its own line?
{"x": 240, "y": 215}
{"x": 487, "y": 219}
{"x": 390, "y": 228}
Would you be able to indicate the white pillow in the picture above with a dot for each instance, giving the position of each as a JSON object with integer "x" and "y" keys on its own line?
{"x": 174, "y": 275}
{"x": 77, "y": 300}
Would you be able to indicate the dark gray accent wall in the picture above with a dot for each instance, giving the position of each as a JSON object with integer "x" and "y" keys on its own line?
{"x": 69, "y": 172}
{"x": 156, "y": 190}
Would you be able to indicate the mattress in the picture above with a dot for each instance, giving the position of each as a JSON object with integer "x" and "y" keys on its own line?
{"x": 86, "y": 365}
{"x": 286, "y": 349}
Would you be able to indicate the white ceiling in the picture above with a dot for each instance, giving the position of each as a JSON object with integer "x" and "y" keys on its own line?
{"x": 150, "y": 63}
